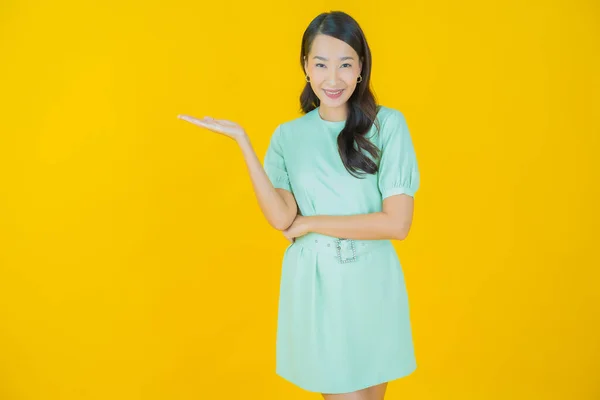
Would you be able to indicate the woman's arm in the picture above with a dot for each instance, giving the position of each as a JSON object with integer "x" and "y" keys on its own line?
{"x": 393, "y": 222}
{"x": 277, "y": 205}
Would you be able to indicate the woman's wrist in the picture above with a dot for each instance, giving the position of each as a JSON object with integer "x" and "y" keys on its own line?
{"x": 242, "y": 139}
{"x": 307, "y": 222}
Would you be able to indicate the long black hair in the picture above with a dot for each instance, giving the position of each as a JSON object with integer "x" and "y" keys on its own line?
{"x": 362, "y": 106}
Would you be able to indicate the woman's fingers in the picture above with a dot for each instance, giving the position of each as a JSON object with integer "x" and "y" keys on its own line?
{"x": 189, "y": 118}
{"x": 205, "y": 119}
{"x": 223, "y": 126}
{"x": 206, "y": 122}
{"x": 225, "y": 122}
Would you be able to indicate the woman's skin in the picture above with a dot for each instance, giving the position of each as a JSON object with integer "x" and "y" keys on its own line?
{"x": 376, "y": 392}
{"x": 331, "y": 64}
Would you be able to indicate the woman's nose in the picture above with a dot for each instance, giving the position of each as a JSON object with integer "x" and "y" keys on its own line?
{"x": 332, "y": 76}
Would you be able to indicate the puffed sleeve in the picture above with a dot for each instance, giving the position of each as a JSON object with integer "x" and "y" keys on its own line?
{"x": 398, "y": 169}
{"x": 274, "y": 162}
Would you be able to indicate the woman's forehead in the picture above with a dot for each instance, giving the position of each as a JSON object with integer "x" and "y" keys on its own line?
{"x": 327, "y": 48}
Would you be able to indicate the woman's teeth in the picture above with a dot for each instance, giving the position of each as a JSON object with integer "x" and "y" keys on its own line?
{"x": 334, "y": 95}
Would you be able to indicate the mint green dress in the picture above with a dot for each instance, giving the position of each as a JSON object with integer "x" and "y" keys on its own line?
{"x": 343, "y": 315}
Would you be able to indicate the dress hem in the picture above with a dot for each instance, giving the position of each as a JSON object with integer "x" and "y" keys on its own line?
{"x": 308, "y": 388}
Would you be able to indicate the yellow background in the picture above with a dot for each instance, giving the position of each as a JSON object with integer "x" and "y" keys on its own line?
{"x": 135, "y": 263}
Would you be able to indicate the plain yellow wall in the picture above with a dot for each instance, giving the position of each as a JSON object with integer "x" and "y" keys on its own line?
{"x": 135, "y": 263}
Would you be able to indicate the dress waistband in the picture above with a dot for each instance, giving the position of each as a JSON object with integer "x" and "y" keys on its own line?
{"x": 346, "y": 250}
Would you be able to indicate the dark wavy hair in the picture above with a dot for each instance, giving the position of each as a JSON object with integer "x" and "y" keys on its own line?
{"x": 362, "y": 106}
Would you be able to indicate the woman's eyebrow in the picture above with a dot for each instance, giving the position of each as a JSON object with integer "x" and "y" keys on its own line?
{"x": 326, "y": 59}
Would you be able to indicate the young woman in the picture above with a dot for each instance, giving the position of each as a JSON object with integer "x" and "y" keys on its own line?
{"x": 339, "y": 182}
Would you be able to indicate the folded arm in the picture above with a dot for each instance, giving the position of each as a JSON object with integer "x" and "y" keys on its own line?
{"x": 393, "y": 222}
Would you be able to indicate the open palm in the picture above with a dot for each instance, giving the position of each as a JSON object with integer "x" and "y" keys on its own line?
{"x": 222, "y": 126}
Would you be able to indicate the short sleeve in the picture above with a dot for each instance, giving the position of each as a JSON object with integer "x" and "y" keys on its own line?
{"x": 398, "y": 169}
{"x": 274, "y": 162}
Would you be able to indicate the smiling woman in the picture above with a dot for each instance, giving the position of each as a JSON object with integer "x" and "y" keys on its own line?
{"x": 343, "y": 318}
{"x": 339, "y": 182}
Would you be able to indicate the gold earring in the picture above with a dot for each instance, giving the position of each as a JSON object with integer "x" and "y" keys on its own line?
{"x": 307, "y": 78}
{"x": 357, "y": 81}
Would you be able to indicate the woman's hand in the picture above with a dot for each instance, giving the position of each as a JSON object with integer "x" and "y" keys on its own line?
{"x": 298, "y": 228}
{"x": 222, "y": 126}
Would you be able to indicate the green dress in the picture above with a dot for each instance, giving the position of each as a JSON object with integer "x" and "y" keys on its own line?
{"x": 343, "y": 315}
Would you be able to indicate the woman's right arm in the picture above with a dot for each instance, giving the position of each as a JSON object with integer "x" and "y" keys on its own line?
{"x": 277, "y": 205}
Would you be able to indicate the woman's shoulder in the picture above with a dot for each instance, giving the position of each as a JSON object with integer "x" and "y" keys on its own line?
{"x": 390, "y": 119}
{"x": 299, "y": 124}
{"x": 389, "y": 114}
{"x": 293, "y": 121}
{"x": 300, "y": 121}
{"x": 392, "y": 123}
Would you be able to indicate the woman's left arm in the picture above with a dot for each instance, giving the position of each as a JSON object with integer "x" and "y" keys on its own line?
{"x": 393, "y": 222}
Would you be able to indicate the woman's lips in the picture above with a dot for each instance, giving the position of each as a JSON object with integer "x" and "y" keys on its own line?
{"x": 333, "y": 94}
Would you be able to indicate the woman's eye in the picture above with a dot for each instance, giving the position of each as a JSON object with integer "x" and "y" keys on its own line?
{"x": 350, "y": 65}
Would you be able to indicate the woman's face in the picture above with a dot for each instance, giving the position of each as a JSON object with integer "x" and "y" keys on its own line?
{"x": 332, "y": 65}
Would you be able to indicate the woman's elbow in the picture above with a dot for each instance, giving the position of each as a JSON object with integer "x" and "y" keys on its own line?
{"x": 401, "y": 233}
{"x": 281, "y": 224}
